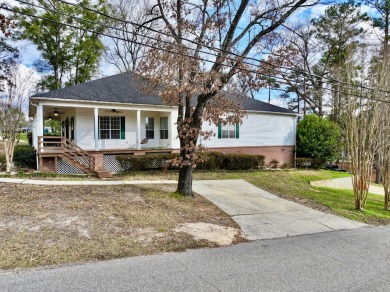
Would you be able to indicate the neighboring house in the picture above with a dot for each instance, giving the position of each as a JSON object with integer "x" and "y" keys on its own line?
{"x": 116, "y": 115}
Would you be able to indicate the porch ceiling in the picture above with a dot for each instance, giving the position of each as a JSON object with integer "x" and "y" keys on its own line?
{"x": 50, "y": 112}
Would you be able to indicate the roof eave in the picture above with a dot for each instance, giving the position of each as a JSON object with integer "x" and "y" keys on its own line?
{"x": 96, "y": 102}
{"x": 270, "y": 112}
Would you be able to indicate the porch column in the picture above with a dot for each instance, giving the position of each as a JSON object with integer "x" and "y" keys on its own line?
{"x": 171, "y": 126}
{"x": 39, "y": 120}
{"x": 138, "y": 129}
{"x": 96, "y": 128}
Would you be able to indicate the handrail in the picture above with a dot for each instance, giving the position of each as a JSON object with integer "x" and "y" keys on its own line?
{"x": 68, "y": 148}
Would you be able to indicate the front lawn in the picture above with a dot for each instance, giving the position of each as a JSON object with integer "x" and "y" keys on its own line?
{"x": 46, "y": 225}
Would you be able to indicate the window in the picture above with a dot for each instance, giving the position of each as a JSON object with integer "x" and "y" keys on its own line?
{"x": 110, "y": 127}
{"x": 164, "y": 128}
{"x": 72, "y": 128}
{"x": 228, "y": 131}
{"x": 149, "y": 128}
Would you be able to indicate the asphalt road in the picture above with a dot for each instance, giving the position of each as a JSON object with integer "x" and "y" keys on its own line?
{"x": 350, "y": 260}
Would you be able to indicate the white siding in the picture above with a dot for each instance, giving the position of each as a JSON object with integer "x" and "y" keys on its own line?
{"x": 257, "y": 129}
{"x": 84, "y": 130}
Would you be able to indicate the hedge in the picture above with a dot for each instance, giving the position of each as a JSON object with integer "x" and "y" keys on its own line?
{"x": 25, "y": 156}
{"x": 144, "y": 162}
{"x": 302, "y": 162}
{"x": 30, "y": 138}
{"x": 213, "y": 161}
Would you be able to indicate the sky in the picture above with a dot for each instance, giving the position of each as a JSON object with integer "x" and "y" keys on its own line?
{"x": 29, "y": 52}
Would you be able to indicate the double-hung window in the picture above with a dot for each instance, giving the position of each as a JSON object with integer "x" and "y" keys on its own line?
{"x": 164, "y": 128}
{"x": 110, "y": 127}
{"x": 228, "y": 131}
{"x": 149, "y": 122}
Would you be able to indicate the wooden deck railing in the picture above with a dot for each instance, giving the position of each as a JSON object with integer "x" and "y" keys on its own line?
{"x": 64, "y": 147}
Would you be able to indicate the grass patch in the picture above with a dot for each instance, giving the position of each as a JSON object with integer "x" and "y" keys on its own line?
{"x": 48, "y": 225}
{"x": 23, "y": 137}
{"x": 34, "y": 175}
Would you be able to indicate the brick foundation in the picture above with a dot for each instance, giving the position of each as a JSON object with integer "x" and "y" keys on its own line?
{"x": 98, "y": 161}
{"x": 284, "y": 154}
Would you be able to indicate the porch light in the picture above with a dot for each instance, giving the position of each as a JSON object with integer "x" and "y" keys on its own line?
{"x": 56, "y": 112}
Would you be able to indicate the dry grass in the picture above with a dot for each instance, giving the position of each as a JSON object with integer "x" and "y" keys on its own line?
{"x": 46, "y": 225}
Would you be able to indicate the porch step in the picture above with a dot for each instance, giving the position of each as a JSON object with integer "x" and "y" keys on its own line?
{"x": 102, "y": 174}
{"x": 76, "y": 163}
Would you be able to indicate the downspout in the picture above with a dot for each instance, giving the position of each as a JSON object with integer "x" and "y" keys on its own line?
{"x": 295, "y": 142}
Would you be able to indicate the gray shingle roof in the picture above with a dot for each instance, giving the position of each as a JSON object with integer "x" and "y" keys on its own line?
{"x": 127, "y": 88}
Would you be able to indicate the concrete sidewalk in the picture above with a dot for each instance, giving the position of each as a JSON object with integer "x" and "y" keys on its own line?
{"x": 262, "y": 215}
{"x": 345, "y": 183}
{"x": 83, "y": 182}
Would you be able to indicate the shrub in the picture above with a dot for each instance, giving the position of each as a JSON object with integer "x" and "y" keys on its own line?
{"x": 30, "y": 138}
{"x": 304, "y": 162}
{"x": 243, "y": 161}
{"x": 144, "y": 162}
{"x": 318, "y": 138}
{"x": 25, "y": 156}
{"x": 213, "y": 161}
{"x": 218, "y": 160}
{"x": 274, "y": 163}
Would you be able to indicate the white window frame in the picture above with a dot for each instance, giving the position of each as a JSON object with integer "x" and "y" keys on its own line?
{"x": 148, "y": 128}
{"x": 110, "y": 129}
{"x": 227, "y": 131}
{"x": 164, "y": 129}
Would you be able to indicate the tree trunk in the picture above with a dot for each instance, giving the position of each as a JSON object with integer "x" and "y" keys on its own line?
{"x": 184, "y": 185}
{"x": 378, "y": 173}
{"x": 386, "y": 184}
{"x": 9, "y": 152}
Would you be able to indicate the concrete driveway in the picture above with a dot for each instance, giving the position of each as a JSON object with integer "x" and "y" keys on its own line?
{"x": 263, "y": 215}
{"x": 345, "y": 183}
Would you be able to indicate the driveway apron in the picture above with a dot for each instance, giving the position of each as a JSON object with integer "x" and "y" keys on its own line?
{"x": 262, "y": 215}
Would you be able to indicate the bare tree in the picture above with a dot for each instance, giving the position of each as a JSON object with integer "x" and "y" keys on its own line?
{"x": 194, "y": 80}
{"x": 384, "y": 150}
{"x": 127, "y": 47}
{"x": 300, "y": 51}
{"x": 12, "y": 107}
{"x": 361, "y": 125}
{"x": 379, "y": 72}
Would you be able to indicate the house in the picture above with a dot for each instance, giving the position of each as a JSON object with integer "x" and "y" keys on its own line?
{"x": 115, "y": 115}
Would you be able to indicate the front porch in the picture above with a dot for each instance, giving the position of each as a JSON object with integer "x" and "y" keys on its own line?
{"x": 59, "y": 154}
{"x": 101, "y": 127}
{"x": 90, "y": 136}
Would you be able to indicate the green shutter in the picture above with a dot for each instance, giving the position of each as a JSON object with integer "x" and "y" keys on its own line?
{"x": 237, "y": 130}
{"x": 123, "y": 134}
{"x": 219, "y": 131}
